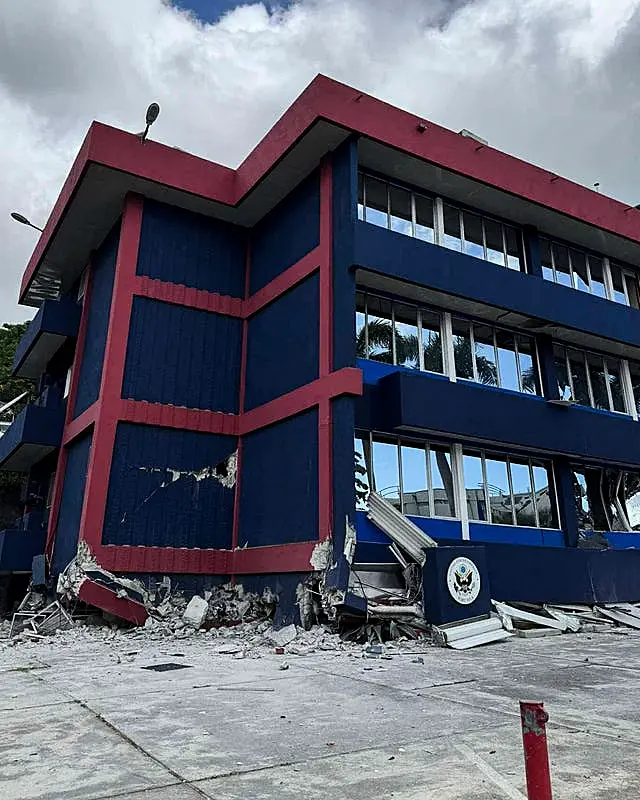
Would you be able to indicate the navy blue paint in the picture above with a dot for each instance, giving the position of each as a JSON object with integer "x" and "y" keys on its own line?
{"x": 285, "y": 586}
{"x": 103, "y": 270}
{"x": 548, "y": 378}
{"x": 623, "y": 541}
{"x": 56, "y": 320}
{"x": 467, "y": 411}
{"x": 342, "y": 459}
{"x": 458, "y": 274}
{"x": 531, "y": 245}
{"x": 439, "y": 606}
{"x": 283, "y": 344}
{"x": 145, "y": 506}
{"x": 179, "y": 246}
{"x": 480, "y": 532}
{"x": 183, "y": 357}
{"x": 563, "y": 475}
{"x": 279, "y": 487}
{"x": 68, "y": 528}
{"x": 286, "y": 234}
{"x": 18, "y": 548}
{"x": 344, "y": 214}
{"x": 36, "y": 426}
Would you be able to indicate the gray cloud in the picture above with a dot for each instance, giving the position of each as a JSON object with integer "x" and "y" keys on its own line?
{"x": 552, "y": 81}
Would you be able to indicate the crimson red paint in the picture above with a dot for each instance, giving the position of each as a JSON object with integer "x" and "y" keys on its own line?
{"x": 188, "y": 296}
{"x": 122, "y": 607}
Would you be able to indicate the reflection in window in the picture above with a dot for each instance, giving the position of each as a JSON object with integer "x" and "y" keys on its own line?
{"x": 507, "y": 361}
{"x": 473, "y": 236}
{"x": 607, "y": 499}
{"x": 415, "y": 486}
{"x": 545, "y": 499}
{"x": 634, "y": 370}
{"x": 386, "y": 479}
{"x": 462, "y": 351}
{"x": 452, "y": 232}
{"x": 424, "y": 219}
{"x": 474, "y": 487}
{"x": 529, "y": 379}
{"x": 494, "y": 242}
{"x": 617, "y": 282}
{"x": 580, "y": 271}
{"x": 432, "y": 342}
{"x": 499, "y": 492}
{"x": 523, "y": 499}
{"x": 596, "y": 270}
{"x": 400, "y": 210}
{"x": 594, "y": 380}
{"x": 546, "y": 260}
{"x": 376, "y": 202}
{"x": 442, "y": 482}
{"x": 363, "y": 470}
{"x": 406, "y": 336}
{"x": 485, "y": 355}
{"x": 379, "y": 327}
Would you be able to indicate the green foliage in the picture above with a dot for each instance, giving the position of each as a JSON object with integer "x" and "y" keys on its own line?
{"x": 10, "y": 387}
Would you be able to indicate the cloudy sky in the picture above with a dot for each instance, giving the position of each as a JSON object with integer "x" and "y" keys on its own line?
{"x": 552, "y": 81}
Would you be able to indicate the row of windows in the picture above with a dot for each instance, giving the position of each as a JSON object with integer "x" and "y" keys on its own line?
{"x": 419, "y": 479}
{"x": 607, "y": 499}
{"x": 588, "y": 273}
{"x": 436, "y": 221}
{"x": 419, "y": 338}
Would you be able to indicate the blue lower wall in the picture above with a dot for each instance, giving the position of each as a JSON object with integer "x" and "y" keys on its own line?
{"x": 183, "y": 357}
{"x": 149, "y": 504}
{"x": 103, "y": 270}
{"x": 75, "y": 478}
{"x": 279, "y": 486}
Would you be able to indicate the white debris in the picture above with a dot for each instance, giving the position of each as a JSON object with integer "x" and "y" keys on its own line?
{"x": 321, "y": 557}
{"x": 196, "y": 612}
{"x": 284, "y": 636}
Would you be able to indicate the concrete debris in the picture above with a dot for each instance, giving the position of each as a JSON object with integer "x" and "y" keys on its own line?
{"x": 195, "y": 612}
{"x": 38, "y": 624}
{"x": 322, "y": 556}
{"x": 467, "y": 634}
{"x": 284, "y": 636}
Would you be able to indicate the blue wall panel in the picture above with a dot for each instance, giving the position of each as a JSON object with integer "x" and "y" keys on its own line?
{"x": 279, "y": 487}
{"x": 462, "y": 275}
{"x": 150, "y": 504}
{"x": 75, "y": 478}
{"x": 283, "y": 344}
{"x": 102, "y": 277}
{"x": 179, "y": 246}
{"x": 183, "y": 357}
{"x": 286, "y": 234}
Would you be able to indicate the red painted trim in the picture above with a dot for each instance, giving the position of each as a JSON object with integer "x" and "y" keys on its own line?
{"x": 325, "y": 474}
{"x": 326, "y": 99}
{"x": 191, "y": 419}
{"x": 95, "y": 498}
{"x": 58, "y": 482}
{"x": 284, "y": 282}
{"x": 79, "y": 425}
{"x": 181, "y": 295}
{"x": 278, "y": 558}
{"x": 123, "y": 607}
{"x": 345, "y": 381}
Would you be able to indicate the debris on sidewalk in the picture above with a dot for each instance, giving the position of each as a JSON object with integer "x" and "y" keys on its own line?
{"x": 37, "y": 624}
{"x": 467, "y": 634}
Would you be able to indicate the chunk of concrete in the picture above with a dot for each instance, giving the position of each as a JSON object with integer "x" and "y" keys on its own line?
{"x": 284, "y": 636}
{"x": 195, "y": 612}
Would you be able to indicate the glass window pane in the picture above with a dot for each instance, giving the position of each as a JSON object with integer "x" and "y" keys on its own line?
{"x": 377, "y": 202}
{"x": 400, "y": 207}
{"x": 580, "y": 274}
{"x": 634, "y": 369}
{"x": 473, "y": 241}
{"x": 424, "y": 218}
{"x": 583, "y": 504}
{"x": 474, "y": 487}
{"x": 545, "y": 495}
{"x": 495, "y": 245}
{"x": 615, "y": 384}
{"x": 462, "y": 348}
{"x": 598, "y": 381}
{"x": 442, "y": 482}
{"x": 415, "y": 491}
{"x": 452, "y": 238}
{"x": 561, "y": 258}
{"x": 432, "y": 342}
{"x": 562, "y": 375}
{"x": 360, "y": 196}
{"x": 386, "y": 480}
{"x": 579, "y": 377}
{"x": 499, "y": 494}
{"x": 363, "y": 470}
{"x": 631, "y": 495}
{"x": 523, "y": 501}
{"x": 545, "y": 258}
{"x": 379, "y": 329}
{"x": 507, "y": 360}
{"x": 631, "y": 282}
{"x": 406, "y": 326}
{"x": 528, "y": 365}
{"x": 598, "y": 286}
{"x": 485, "y": 355}
{"x": 618, "y": 284}
{"x": 514, "y": 248}
{"x": 361, "y": 345}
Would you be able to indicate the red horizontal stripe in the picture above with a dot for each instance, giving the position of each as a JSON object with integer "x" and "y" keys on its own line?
{"x": 181, "y": 295}
{"x": 79, "y": 425}
{"x": 285, "y": 281}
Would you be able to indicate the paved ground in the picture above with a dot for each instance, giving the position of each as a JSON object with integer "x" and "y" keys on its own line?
{"x": 84, "y": 720}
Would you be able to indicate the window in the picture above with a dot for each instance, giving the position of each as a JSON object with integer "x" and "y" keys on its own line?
{"x": 506, "y": 490}
{"x": 400, "y": 210}
{"x": 414, "y": 476}
{"x": 595, "y": 380}
{"x": 607, "y": 499}
{"x": 412, "y": 337}
{"x": 589, "y": 273}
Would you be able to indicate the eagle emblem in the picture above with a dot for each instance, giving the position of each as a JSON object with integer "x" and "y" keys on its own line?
{"x": 463, "y": 580}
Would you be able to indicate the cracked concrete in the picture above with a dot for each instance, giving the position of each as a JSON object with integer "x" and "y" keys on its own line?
{"x": 84, "y": 720}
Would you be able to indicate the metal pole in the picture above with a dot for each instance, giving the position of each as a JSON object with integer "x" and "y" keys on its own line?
{"x": 536, "y": 757}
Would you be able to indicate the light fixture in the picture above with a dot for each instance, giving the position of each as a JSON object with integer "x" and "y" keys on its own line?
{"x": 152, "y": 115}
{"x": 23, "y": 220}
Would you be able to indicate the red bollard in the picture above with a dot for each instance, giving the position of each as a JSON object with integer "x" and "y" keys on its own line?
{"x": 536, "y": 758}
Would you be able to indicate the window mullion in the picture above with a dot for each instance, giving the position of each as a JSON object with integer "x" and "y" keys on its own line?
{"x": 413, "y": 215}
{"x": 608, "y": 280}
{"x": 589, "y": 386}
{"x": 484, "y": 241}
{"x": 438, "y": 221}
{"x": 461, "y": 510}
{"x": 432, "y": 506}
{"x": 364, "y": 197}
{"x": 420, "y": 347}
{"x": 553, "y": 261}
{"x": 534, "y": 499}
{"x": 518, "y": 370}
{"x": 448, "y": 351}
{"x": 472, "y": 344}
{"x": 388, "y": 207}
{"x": 588, "y": 261}
{"x": 504, "y": 246}
{"x": 513, "y": 499}
{"x": 574, "y": 282}
{"x": 608, "y": 385}
{"x": 627, "y": 387}
{"x": 366, "y": 324}
{"x": 485, "y": 487}
{"x": 393, "y": 334}
{"x": 495, "y": 355}
{"x": 569, "y": 375}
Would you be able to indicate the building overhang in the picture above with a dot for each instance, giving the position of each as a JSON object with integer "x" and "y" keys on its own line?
{"x": 55, "y": 322}
{"x": 112, "y": 163}
{"x": 34, "y": 434}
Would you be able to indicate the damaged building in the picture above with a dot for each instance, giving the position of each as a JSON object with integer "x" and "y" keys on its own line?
{"x": 229, "y": 361}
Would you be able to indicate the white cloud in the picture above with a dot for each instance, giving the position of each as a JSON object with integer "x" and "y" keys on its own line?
{"x": 549, "y": 80}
